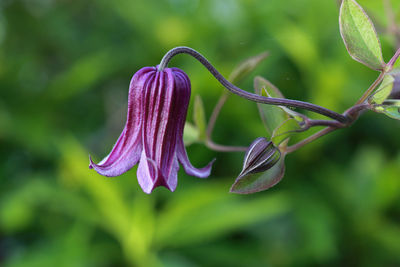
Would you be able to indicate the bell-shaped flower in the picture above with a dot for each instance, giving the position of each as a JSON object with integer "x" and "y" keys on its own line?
{"x": 153, "y": 134}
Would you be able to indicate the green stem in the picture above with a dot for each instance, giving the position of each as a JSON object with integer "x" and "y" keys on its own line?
{"x": 221, "y": 148}
{"x": 309, "y": 139}
{"x": 352, "y": 114}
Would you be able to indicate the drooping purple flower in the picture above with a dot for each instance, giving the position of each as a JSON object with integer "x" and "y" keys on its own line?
{"x": 153, "y": 134}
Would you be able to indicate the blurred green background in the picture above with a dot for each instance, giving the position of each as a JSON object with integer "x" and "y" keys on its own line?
{"x": 65, "y": 68}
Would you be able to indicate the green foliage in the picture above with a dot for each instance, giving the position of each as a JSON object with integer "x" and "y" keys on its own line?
{"x": 359, "y": 35}
{"x": 199, "y": 117}
{"x": 383, "y": 91}
{"x": 285, "y": 130}
{"x": 271, "y": 116}
{"x": 391, "y": 108}
{"x": 260, "y": 181}
{"x": 190, "y": 134}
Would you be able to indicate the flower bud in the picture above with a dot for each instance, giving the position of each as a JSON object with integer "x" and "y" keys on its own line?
{"x": 395, "y": 94}
{"x": 260, "y": 156}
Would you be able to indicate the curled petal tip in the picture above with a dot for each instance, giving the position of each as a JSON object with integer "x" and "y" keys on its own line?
{"x": 205, "y": 171}
{"x": 90, "y": 162}
{"x": 157, "y": 109}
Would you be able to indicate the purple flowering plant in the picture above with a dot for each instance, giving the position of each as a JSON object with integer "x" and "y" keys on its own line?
{"x": 158, "y": 99}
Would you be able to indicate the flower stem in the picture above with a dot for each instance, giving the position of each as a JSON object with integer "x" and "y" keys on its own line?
{"x": 309, "y": 139}
{"x": 250, "y": 96}
{"x": 215, "y": 113}
{"x": 394, "y": 59}
{"x": 313, "y": 123}
{"x": 352, "y": 114}
{"x": 210, "y": 128}
{"x": 222, "y": 148}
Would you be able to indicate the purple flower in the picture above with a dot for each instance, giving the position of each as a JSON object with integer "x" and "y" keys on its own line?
{"x": 153, "y": 133}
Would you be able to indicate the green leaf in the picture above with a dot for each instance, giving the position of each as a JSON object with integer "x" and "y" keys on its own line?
{"x": 383, "y": 91}
{"x": 285, "y": 130}
{"x": 359, "y": 35}
{"x": 393, "y": 112}
{"x": 271, "y": 116}
{"x": 246, "y": 67}
{"x": 300, "y": 118}
{"x": 260, "y": 181}
{"x": 190, "y": 134}
{"x": 390, "y": 108}
{"x": 199, "y": 118}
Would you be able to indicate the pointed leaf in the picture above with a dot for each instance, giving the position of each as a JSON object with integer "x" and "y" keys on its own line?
{"x": 260, "y": 181}
{"x": 392, "y": 109}
{"x": 393, "y": 112}
{"x": 359, "y": 35}
{"x": 246, "y": 67}
{"x": 199, "y": 117}
{"x": 190, "y": 134}
{"x": 300, "y": 118}
{"x": 285, "y": 130}
{"x": 272, "y": 116}
{"x": 383, "y": 91}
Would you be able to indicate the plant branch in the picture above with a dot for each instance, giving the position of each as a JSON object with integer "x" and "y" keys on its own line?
{"x": 309, "y": 139}
{"x": 215, "y": 113}
{"x": 313, "y": 123}
{"x": 250, "y": 96}
{"x": 210, "y": 127}
{"x": 393, "y": 59}
{"x": 352, "y": 114}
{"x": 221, "y": 148}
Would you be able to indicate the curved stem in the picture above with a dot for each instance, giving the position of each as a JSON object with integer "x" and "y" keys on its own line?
{"x": 313, "y": 123}
{"x": 214, "y": 115}
{"x": 250, "y": 96}
{"x": 309, "y": 139}
{"x": 352, "y": 114}
{"x": 222, "y": 148}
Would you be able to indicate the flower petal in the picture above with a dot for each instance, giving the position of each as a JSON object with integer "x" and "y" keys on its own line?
{"x": 182, "y": 81}
{"x": 188, "y": 167}
{"x": 150, "y": 177}
{"x": 172, "y": 180}
{"x": 126, "y": 151}
{"x": 159, "y": 130}
{"x": 147, "y": 173}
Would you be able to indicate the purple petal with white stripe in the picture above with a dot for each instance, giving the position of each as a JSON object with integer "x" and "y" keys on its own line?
{"x": 153, "y": 133}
